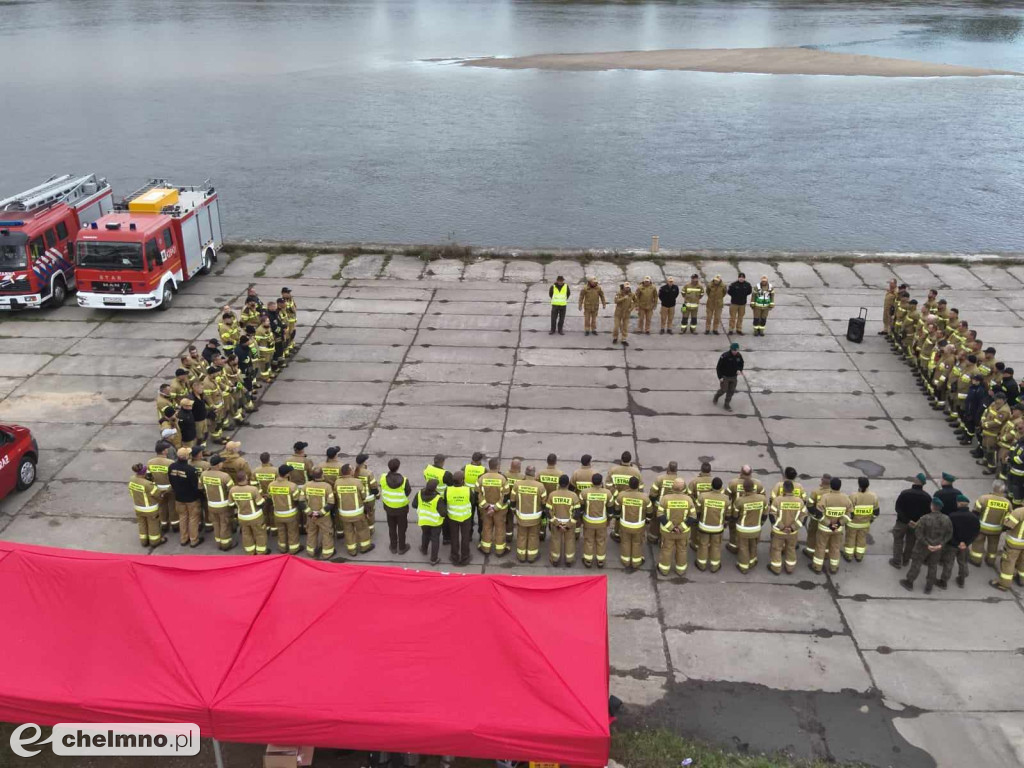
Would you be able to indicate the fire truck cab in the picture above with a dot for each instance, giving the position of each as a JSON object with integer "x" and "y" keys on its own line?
{"x": 37, "y": 235}
{"x": 156, "y": 239}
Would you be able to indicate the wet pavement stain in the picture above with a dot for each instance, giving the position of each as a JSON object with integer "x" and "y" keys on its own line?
{"x": 867, "y": 467}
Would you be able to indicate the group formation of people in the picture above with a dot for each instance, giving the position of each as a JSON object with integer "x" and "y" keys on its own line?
{"x": 646, "y": 298}
{"x": 212, "y": 392}
{"x": 981, "y": 400}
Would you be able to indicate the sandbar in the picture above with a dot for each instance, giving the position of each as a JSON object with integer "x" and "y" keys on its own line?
{"x": 768, "y": 61}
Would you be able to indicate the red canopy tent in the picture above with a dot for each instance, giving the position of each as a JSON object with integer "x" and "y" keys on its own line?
{"x": 293, "y": 651}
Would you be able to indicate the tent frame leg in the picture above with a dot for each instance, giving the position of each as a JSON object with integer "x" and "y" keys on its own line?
{"x": 217, "y": 755}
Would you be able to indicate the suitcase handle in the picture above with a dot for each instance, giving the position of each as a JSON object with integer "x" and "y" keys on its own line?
{"x": 863, "y": 314}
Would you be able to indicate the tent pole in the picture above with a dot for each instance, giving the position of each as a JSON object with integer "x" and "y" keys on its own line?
{"x": 217, "y": 755}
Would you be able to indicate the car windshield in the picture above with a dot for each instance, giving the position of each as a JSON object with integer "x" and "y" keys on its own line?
{"x": 12, "y": 257}
{"x": 109, "y": 255}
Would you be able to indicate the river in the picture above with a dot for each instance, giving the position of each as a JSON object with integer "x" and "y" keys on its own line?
{"x": 322, "y": 120}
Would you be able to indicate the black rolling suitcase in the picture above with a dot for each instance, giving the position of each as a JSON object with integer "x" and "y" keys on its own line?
{"x": 855, "y": 329}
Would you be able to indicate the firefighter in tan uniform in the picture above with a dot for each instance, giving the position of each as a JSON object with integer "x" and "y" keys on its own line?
{"x": 715, "y": 291}
{"x": 633, "y": 507}
{"x": 662, "y": 484}
{"x": 646, "y": 301}
{"x": 146, "y": 500}
{"x": 865, "y": 509}
{"x": 179, "y": 388}
{"x": 991, "y": 509}
{"x": 264, "y": 475}
{"x": 596, "y": 500}
{"x": 788, "y": 511}
{"x": 750, "y": 511}
{"x": 563, "y": 508}
{"x": 514, "y": 475}
{"x": 790, "y": 474}
{"x": 249, "y": 501}
{"x": 591, "y": 300}
{"x": 348, "y": 491}
{"x": 624, "y": 303}
{"x": 216, "y": 487}
{"x": 888, "y": 306}
{"x": 1011, "y": 564}
{"x": 163, "y": 400}
{"x": 233, "y": 461}
{"x": 492, "y": 491}
{"x": 992, "y": 421}
{"x": 1011, "y": 432}
{"x": 834, "y": 510}
{"x": 301, "y": 465}
{"x": 157, "y": 468}
{"x": 812, "y": 522}
{"x": 617, "y": 480}
{"x": 677, "y": 512}
{"x": 734, "y": 489}
{"x": 692, "y": 293}
{"x": 285, "y": 497}
{"x": 530, "y": 496}
{"x": 549, "y": 479}
{"x": 371, "y": 490}
{"x": 265, "y": 344}
{"x": 319, "y": 526}
{"x": 583, "y": 478}
{"x": 711, "y": 510}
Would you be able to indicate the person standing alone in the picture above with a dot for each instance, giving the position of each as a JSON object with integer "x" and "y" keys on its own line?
{"x": 559, "y": 293}
{"x": 729, "y": 367}
{"x": 739, "y": 291}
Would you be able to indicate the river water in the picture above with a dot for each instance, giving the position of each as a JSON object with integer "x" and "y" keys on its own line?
{"x": 320, "y": 120}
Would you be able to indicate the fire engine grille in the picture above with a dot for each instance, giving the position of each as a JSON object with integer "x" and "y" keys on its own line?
{"x": 15, "y": 286}
{"x": 111, "y": 287}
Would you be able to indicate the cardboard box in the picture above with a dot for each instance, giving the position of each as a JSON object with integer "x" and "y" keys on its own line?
{"x": 278, "y": 756}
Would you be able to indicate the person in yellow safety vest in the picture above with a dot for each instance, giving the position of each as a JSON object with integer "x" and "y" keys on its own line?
{"x": 394, "y": 495}
{"x": 559, "y": 293}
{"x": 865, "y": 509}
{"x": 348, "y": 492}
{"x": 248, "y": 500}
{"x": 216, "y": 487}
{"x": 833, "y": 512}
{"x": 712, "y": 507}
{"x": 265, "y": 474}
{"x": 596, "y": 501}
{"x": 1011, "y": 565}
{"x": 991, "y": 509}
{"x": 472, "y": 472}
{"x": 677, "y": 512}
{"x": 632, "y": 508}
{"x": 157, "y": 468}
{"x": 750, "y": 510}
{"x": 285, "y": 496}
{"x": 319, "y": 495}
{"x": 564, "y": 507}
{"x": 458, "y": 502}
{"x": 530, "y": 496}
{"x": 146, "y": 500}
{"x": 692, "y": 293}
{"x": 429, "y": 506}
{"x": 492, "y": 490}
{"x": 788, "y": 512}
{"x": 370, "y": 490}
{"x": 437, "y": 472}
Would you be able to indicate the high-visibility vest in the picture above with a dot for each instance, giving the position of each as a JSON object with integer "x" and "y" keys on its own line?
{"x": 992, "y": 515}
{"x": 559, "y": 296}
{"x": 435, "y": 473}
{"x": 458, "y": 501}
{"x": 863, "y": 514}
{"x": 143, "y": 502}
{"x": 472, "y": 473}
{"x": 426, "y": 511}
{"x": 393, "y": 498}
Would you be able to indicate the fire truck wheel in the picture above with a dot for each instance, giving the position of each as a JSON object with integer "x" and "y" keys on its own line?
{"x": 167, "y": 298}
{"x": 208, "y": 259}
{"x": 26, "y": 472}
{"x": 60, "y": 293}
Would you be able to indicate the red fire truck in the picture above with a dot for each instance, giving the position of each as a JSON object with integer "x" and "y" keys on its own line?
{"x": 37, "y": 235}
{"x": 156, "y": 239}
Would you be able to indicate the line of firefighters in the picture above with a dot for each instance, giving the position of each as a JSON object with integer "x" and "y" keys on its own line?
{"x": 981, "y": 400}
{"x": 335, "y": 499}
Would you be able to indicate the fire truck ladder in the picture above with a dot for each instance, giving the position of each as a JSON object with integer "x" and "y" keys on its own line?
{"x": 54, "y": 190}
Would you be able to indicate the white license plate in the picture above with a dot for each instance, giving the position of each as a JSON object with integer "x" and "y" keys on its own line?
{"x": 115, "y": 302}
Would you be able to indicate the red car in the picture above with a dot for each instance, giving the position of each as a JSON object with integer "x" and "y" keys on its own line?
{"x": 19, "y": 453}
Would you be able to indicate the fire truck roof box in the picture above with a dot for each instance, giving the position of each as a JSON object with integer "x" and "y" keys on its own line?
{"x": 154, "y": 200}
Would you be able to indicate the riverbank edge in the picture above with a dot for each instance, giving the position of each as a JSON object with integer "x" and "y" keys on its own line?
{"x": 469, "y": 254}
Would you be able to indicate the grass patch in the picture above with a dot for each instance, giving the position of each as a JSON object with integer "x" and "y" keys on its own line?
{"x": 262, "y": 271}
{"x": 661, "y": 748}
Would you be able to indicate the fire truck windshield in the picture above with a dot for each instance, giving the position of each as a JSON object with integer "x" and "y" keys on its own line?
{"x": 12, "y": 257}
{"x": 110, "y": 255}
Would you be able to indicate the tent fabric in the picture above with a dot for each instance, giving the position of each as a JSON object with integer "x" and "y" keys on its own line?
{"x": 294, "y": 651}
